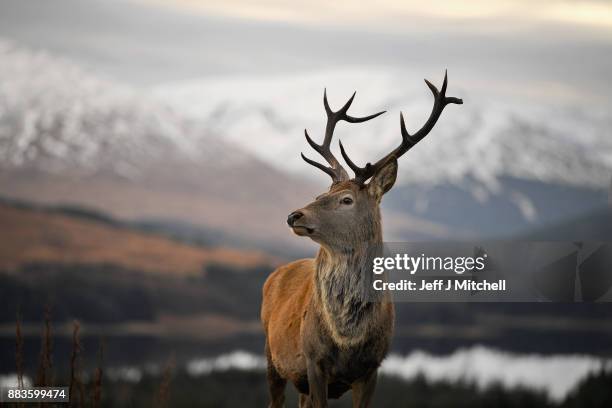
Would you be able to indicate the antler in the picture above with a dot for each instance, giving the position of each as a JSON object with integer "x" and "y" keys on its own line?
{"x": 362, "y": 174}
{"x": 336, "y": 171}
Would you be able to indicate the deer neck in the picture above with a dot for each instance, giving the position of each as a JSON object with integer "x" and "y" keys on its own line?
{"x": 343, "y": 283}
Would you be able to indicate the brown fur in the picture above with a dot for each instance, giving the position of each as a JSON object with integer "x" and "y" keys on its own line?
{"x": 325, "y": 331}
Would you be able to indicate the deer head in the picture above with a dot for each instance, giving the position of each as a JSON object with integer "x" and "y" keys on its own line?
{"x": 349, "y": 212}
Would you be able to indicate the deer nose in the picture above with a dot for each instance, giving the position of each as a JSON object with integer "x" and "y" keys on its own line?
{"x": 296, "y": 215}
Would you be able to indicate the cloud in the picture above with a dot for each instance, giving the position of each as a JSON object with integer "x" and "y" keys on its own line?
{"x": 394, "y": 14}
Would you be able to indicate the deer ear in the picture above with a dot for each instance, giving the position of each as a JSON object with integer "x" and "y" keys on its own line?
{"x": 383, "y": 179}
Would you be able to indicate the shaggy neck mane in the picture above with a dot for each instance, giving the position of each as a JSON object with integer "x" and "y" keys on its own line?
{"x": 343, "y": 283}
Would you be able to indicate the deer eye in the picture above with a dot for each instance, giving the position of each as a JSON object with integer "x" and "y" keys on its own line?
{"x": 347, "y": 200}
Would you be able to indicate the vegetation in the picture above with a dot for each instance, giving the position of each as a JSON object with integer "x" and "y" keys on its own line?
{"x": 173, "y": 387}
{"x": 108, "y": 297}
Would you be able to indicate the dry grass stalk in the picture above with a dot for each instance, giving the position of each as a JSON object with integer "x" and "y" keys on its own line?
{"x": 163, "y": 393}
{"x": 96, "y": 396}
{"x": 43, "y": 377}
{"x": 19, "y": 352}
{"x": 19, "y": 356}
{"x": 76, "y": 384}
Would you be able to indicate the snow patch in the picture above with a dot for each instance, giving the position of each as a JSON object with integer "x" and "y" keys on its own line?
{"x": 557, "y": 375}
{"x": 237, "y": 360}
{"x": 492, "y": 135}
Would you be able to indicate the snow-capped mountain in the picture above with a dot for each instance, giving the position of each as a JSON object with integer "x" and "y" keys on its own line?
{"x": 224, "y": 152}
{"x": 56, "y": 117}
{"x": 68, "y": 136}
{"x": 491, "y": 136}
{"x": 503, "y": 160}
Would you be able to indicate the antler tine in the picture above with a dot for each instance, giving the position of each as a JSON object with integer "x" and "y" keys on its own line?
{"x": 356, "y": 169}
{"x": 336, "y": 171}
{"x": 318, "y": 165}
{"x": 362, "y": 174}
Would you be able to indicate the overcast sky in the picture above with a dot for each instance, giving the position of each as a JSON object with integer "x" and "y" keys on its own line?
{"x": 558, "y": 48}
{"x": 397, "y": 14}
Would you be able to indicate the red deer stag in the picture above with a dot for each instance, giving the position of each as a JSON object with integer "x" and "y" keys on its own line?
{"x": 323, "y": 333}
